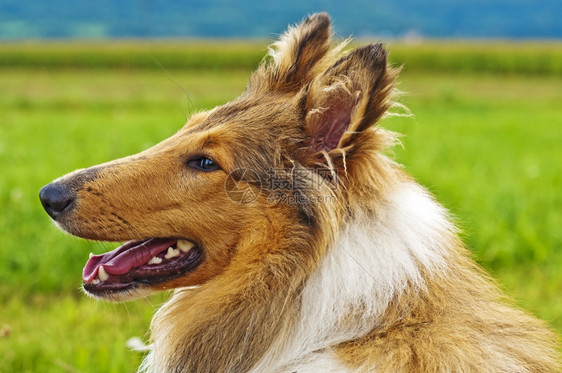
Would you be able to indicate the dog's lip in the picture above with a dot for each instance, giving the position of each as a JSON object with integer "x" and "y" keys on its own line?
{"x": 127, "y": 256}
{"x": 134, "y": 263}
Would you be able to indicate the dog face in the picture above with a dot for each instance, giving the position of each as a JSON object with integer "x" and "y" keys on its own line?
{"x": 171, "y": 202}
{"x": 181, "y": 205}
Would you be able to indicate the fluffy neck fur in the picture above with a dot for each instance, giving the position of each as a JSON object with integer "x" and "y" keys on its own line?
{"x": 376, "y": 257}
{"x": 397, "y": 292}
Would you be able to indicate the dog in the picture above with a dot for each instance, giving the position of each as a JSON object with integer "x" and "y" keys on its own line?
{"x": 293, "y": 243}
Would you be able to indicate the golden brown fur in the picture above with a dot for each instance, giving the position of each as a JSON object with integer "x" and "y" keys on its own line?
{"x": 459, "y": 324}
{"x": 310, "y": 110}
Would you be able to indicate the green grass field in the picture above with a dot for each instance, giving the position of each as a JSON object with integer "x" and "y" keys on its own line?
{"x": 485, "y": 141}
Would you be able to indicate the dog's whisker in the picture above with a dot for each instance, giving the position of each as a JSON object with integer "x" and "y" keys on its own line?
{"x": 191, "y": 98}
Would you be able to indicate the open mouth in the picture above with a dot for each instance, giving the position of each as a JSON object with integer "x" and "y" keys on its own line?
{"x": 147, "y": 262}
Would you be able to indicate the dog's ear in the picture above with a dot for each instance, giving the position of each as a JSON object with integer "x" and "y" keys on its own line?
{"x": 294, "y": 59}
{"x": 344, "y": 101}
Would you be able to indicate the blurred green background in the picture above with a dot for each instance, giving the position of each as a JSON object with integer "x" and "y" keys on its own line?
{"x": 485, "y": 138}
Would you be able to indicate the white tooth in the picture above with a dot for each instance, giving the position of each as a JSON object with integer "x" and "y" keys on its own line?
{"x": 102, "y": 274}
{"x": 96, "y": 281}
{"x": 155, "y": 260}
{"x": 171, "y": 253}
{"x": 185, "y": 245}
{"x": 91, "y": 255}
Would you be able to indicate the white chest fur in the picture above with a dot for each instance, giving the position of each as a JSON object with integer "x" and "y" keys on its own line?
{"x": 373, "y": 260}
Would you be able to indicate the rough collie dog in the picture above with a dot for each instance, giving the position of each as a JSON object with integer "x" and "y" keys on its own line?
{"x": 294, "y": 244}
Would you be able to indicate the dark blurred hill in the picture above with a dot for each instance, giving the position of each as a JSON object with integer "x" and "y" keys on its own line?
{"x": 223, "y": 18}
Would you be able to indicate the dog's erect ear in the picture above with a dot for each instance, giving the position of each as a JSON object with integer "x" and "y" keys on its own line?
{"x": 296, "y": 57}
{"x": 345, "y": 100}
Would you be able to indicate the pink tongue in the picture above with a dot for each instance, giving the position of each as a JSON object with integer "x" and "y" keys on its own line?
{"x": 125, "y": 257}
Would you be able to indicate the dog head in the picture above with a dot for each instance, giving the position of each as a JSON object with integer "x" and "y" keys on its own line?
{"x": 240, "y": 180}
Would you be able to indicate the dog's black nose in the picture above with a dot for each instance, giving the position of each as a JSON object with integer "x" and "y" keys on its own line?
{"x": 55, "y": 198}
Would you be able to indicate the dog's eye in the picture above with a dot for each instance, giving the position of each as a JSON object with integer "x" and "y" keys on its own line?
{"x": 203, "y": 164}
